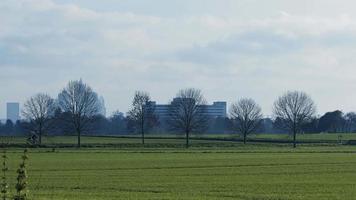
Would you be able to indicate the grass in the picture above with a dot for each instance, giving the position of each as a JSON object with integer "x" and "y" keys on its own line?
{"x": 211, "y": 169}
{"x": 306, "y": 137}
{"x": 118, "y": 142}
{"x": 250, "y": 172}
{"x": 300, "y": 137}
{"x": 178, "y": 139}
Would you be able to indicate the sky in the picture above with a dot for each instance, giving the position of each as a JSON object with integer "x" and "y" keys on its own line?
{"x": 229, "y": 49}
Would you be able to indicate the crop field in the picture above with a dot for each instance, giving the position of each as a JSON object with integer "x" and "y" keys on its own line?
{"x": 178, "y": 140}
{"x": 210, "y": 169}
{"x": 247, "y": 172}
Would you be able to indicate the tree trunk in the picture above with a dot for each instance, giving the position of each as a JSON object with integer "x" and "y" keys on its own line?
{"x": 245, "y": 137}
{"x": 294, "y": 138}
{"x": 78, "y": 138}
{"x": 143, "y": 137}
{"x": 40, "y": 138}
{"x": 40, "y": 134}
{"x": 187, "y": 139}
{"x": 143, "y": 130}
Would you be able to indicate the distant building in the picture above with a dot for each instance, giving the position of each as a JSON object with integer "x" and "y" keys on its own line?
{"x": 216, "y": 110}
{"x": 13, "y": 112}
{"x": 102, "y": 106}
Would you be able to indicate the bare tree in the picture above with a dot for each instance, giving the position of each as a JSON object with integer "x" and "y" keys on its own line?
{"x": 142, "y": 113}
{"x": 81, "y": 103}
{"x": 294, "y": 108}
{"x": 187, "y": 112}
{"x": 247, "y": 115}
{"x": 39, "y": 111}
{"x": 350, "y": 119}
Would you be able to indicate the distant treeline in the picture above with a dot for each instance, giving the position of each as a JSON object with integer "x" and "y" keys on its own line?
{"x": 119, "y": 124}
{"x": 79, "y": 110}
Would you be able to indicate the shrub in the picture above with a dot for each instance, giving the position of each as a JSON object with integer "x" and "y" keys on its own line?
{"x": 21, "y": 186}
{"x": 4, "y": 185}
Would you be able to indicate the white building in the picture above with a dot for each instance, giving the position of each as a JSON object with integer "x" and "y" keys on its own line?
{"x": 216, "y": 110}
{"x": 13, "y": 111}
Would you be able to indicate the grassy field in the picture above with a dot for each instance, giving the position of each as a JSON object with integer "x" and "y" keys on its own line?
{"x": 176, "y": 141}
{"x": 248, "y": 172}
{"x": 303, "y": 137}
{"x": 211, "y": 169}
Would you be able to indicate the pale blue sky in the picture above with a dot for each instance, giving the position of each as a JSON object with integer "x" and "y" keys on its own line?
{"x": 228, "y": 48}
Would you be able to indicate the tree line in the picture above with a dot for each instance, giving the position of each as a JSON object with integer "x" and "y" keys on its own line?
{"x": 79, "y": 110}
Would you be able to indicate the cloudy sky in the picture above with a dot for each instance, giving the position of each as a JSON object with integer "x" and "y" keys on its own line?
{"x": 228, "y": 48}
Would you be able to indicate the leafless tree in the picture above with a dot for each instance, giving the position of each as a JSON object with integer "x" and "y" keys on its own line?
{"x": 142, "y": 113}
{"x": 81, "y": 103}
{"x": 187, "y": 112}
{"x": 247, "y": 115}
{"x": 294, "y": 109}
{"x": 39, "y": 110}
{"x": 350, "y": 121}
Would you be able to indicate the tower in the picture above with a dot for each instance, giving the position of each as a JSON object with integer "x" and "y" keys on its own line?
{"x": 13, "y": 111}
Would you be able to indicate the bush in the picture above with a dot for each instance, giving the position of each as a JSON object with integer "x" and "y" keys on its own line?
{"x": 4, "y": 185}
{"x": 21, "y": 186}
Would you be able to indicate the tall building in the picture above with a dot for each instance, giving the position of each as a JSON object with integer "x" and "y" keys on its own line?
{"x": 13, "y": 111}
{"x": 102, "y": 106}
{"x": 216, "y": 110}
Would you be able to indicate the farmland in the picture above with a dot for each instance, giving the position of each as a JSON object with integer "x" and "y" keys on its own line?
{"x": 155, "y": 140}
{"x": 221, "y": 170}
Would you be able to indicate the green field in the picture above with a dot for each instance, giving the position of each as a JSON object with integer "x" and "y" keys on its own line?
{"x": 209, "y": 170}
{"x": 245, "y": 173}
{"x": 178, "y": 140}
